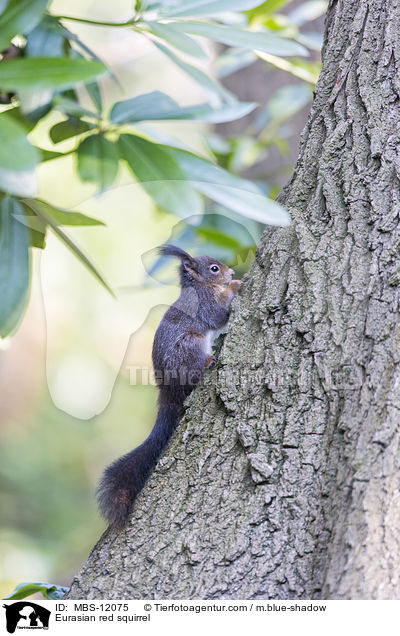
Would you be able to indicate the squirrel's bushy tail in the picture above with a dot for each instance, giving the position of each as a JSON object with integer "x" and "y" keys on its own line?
{"x": 125, "y": 477}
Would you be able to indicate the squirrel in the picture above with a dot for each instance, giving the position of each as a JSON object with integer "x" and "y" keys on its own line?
{"x": 182, "y": 350}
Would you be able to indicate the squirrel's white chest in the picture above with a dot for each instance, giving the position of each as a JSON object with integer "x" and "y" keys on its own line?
{"x": 208, "y": 341}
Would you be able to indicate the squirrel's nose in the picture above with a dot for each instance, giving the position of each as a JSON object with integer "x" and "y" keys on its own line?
{"x": 231, "y": 271}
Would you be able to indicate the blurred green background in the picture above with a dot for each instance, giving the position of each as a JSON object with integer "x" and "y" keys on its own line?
{"x": 69, "y": 403}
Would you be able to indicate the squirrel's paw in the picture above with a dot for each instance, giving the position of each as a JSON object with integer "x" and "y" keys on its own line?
{"x": 210, "y": 362}
{"x": 236, "y": 286}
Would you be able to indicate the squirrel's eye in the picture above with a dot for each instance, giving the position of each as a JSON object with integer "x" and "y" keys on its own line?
{"x": 214, "y": 269}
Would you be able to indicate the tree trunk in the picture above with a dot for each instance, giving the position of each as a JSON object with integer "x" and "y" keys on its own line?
{"x": 282, "y": 480}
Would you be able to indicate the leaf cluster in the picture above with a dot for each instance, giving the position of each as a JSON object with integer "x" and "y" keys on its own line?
{"x": 44, "y": 65}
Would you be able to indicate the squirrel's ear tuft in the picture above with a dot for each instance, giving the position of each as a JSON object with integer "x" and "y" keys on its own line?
{"x": 172, "y": 250}
{"x": 188, "y": 262}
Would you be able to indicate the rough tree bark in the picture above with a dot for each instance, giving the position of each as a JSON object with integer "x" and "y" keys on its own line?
{"x": 283, "y": 478}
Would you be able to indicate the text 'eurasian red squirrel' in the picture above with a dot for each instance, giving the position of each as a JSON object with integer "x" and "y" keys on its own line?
{"x": 182, "y": 349}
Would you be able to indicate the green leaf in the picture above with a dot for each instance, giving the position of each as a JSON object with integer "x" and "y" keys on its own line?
{"x": 147, "y": 106}
{"x": 249, "y": 204}
{"x": 163, "y": 170}
{"x": 216, "y": 93}
{"x": 43, "y": 214}
{"x": 18, "y": 157}
{"x": 213, "y": 235}
{"x": 47, "y": 73}
{"x": 48, "y": 155}
{"x": 97, "y": 160}
{"x": 19, "y": 116}
{"x": 36, "y": 227}
{"x": 265, "y": 9}
{"x": 61, "y": 216}
{"x": 48, "y": 590}
{"x": 19, "y": 17}
{"x": 14, "y": 266}
{"x": 176, "y": 38}
{"x": 230, "y": 191}
{"x": 306, "y": 71}
{"x": 45, "y": 40}
{"x": 16, "y": 153}
{"x": 234, "y": 36}
{"x": 68, "y": 128}
{"x": 159, "y": 174}
{"x": 206, "y": 7}
{"x": 94, "y": 92}
{"x": 159, "y": 106}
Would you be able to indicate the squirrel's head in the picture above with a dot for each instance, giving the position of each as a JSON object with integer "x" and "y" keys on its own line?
{"x": 203, "y": 269}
